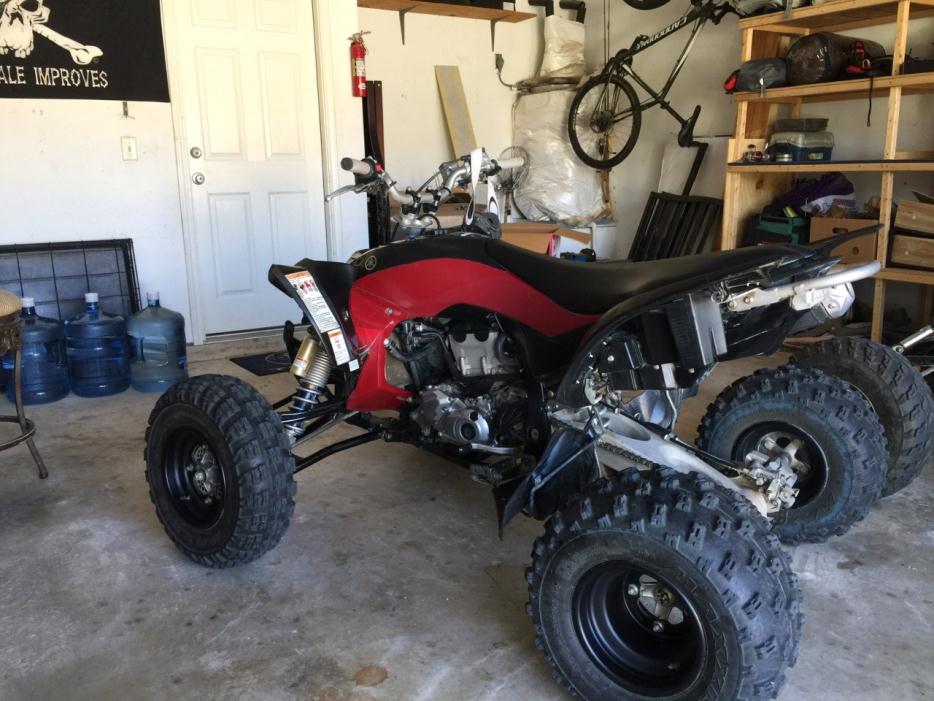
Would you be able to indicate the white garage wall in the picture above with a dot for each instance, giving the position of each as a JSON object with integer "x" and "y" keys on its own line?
{"x": 72, "y": 183}
{"x": 414, "y": 128}
{"x": 715, "y": 55}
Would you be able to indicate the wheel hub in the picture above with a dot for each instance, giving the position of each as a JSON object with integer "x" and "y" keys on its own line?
{"x": 194, "y": 478}
{"x": 658, "y": 602}
{"x": 779, "y": 443}
{"x": 204, "y": 473}
{"x": 601, "y": 121}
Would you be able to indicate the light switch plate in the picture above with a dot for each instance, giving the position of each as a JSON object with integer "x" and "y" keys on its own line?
{"x": 128, "y": 146}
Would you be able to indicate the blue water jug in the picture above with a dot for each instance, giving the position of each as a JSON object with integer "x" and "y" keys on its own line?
{"x": 158, "y": 353}
{"x": 98, "y": 358}
{"x": 44, "y": 370}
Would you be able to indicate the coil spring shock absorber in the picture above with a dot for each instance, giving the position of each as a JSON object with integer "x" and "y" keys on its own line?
{"x": 312, "y": 368}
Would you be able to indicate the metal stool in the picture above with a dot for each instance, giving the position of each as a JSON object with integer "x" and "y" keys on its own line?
{"x": 10, "y": 341}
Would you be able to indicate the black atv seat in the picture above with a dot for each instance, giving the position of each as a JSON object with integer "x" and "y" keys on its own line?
{"x": 594, "y": 288}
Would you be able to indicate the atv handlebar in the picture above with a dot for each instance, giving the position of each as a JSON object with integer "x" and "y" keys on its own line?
{"x": 362, "y": 168}
{"x": 509, "y": 163}
{"x": 452, "y": 174}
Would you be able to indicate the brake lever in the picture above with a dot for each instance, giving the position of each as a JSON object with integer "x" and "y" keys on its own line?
{"x": 340, "y": 191}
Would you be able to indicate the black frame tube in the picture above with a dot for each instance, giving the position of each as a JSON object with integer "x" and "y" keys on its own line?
{"x": 346, "y": 444}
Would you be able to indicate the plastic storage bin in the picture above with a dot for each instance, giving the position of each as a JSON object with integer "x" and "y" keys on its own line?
{"x": 98, "y": 357}
{"x": 793, "y": 146}
{"x": 158, "y": 353}
{"x": 44, "y": 368}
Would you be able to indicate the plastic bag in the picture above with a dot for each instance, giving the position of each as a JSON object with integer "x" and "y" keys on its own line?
{"x": 823, "y": 57}
{"x": 559, "y": 187}
{"x": 564, "y": 49}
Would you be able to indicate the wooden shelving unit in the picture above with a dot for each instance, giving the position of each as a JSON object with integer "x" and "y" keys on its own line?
{"x": 750, "y": 187}
{"x": 441, "y": 9}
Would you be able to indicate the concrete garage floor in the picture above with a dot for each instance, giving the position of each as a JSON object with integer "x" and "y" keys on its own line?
{"x": 390, "y": 584}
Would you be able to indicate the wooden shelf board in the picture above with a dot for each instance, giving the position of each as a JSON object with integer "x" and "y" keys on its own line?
{"x": 835, "y": 16}
{"x": 445, "y": 10}
{"x": 920, "y": 277}
{"x": 834, "y": 166}
{"x": 911, "y": 84}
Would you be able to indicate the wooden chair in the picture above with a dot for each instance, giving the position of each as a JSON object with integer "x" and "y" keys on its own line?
{"x": 10, "y": 341}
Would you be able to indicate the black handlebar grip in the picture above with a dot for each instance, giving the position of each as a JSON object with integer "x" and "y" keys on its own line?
{"x": 362, "y": 168}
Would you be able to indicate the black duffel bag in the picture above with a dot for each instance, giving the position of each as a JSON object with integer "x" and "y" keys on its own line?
{"x": 823, "y": 57}
{"x": 757, "y": 75}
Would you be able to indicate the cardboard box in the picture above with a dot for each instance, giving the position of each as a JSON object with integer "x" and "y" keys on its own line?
{"x": 913, "y": 251}
{"x": 915, "y": 216}
{"x": 541, "y": 238}
{"x": 860, "y": 250}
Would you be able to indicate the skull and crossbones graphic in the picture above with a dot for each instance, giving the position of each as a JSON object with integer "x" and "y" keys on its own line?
{"x": 21, "y": 20}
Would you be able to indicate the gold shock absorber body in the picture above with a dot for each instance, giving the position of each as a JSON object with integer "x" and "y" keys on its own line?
{"x": 312, "y": 368}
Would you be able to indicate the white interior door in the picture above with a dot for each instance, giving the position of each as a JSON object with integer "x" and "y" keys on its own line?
{"x": 245, "y": 81}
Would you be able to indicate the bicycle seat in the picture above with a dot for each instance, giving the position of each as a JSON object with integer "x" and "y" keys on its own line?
{"x": 594, "y": 288}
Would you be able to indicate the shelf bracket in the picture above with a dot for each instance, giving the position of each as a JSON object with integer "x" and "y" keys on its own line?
{"x": 402, "y": 14}
{"x": 493, "y": 23}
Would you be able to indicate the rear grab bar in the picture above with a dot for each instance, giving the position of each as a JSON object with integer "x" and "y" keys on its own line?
{"x": 803, "y": 295}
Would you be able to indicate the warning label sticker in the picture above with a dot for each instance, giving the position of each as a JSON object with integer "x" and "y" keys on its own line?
{"x": 339, "y": 346}
{"x": 321, "y": 313}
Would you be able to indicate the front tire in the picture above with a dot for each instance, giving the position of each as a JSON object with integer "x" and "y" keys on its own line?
{"x": 664, "y": 585}
{"x": 830, "y": 432}
{"x": 604, "y": 121}
{"x": 220, "y": 470}
{"x": 897, "y": 392}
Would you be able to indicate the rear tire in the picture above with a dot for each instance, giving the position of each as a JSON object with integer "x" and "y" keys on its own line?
{"x": 220, "y": 470}
{"x": 897, "y": 392}
{"x": 839, "y": 443}
{"x": 599, "y": 158}
{"x": 730, "y": 621}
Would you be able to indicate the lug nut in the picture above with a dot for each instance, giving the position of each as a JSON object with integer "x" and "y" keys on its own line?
{"x": 658, "y": 627}
{"x": 633, "y": 590}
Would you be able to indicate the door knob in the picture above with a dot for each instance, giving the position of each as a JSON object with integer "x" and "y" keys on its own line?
{"x": 198, "y": 178}
{"x": 195, "y": 152}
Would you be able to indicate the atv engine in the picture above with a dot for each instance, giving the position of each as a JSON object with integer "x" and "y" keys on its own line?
{"x": 460, "y": 375}
{"x": 463, "y": 421}
{"x": 482, "y": 353}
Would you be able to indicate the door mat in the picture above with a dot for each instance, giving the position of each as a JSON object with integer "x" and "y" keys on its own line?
{"x": 263, "y": 364}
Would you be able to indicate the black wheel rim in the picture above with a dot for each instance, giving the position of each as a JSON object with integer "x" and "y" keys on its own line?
{"x": 811, "y": 462}
{"x": 194, "y": 478}
{"x": 650, "y": 650}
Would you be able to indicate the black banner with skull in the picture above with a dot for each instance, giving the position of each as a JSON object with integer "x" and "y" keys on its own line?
{"x": 82, "y": 49}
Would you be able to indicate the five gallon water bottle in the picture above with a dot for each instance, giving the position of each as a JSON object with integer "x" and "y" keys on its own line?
{"x": 44, "y": 370}
{"x": 97, "y": 351}
{"x": 158, "y": 356}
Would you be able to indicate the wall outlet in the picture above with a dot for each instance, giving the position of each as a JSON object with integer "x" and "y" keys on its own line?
{"x": 128, "y": 146}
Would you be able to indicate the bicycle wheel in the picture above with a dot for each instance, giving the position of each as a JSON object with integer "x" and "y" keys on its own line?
{"x": 604, "y": 121}
{"x": 646, "y": 4}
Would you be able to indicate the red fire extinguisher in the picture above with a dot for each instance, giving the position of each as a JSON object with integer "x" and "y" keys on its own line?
{"x": 358, "y": 64}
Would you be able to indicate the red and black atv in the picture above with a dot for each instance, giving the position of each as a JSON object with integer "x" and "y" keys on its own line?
{"x": 558, "y": 383}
